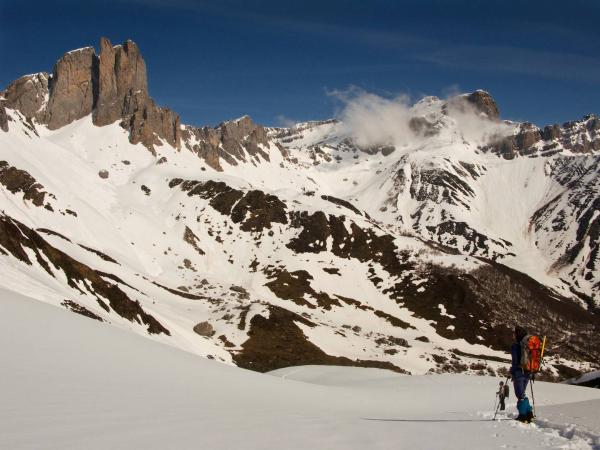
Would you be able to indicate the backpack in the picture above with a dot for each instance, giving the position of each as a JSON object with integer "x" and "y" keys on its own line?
{"x": 506, "y": 390}
{"x": 531, "y": 353}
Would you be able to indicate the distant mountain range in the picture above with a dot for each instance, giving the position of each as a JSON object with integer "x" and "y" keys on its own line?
{"x": 413, "y": 244}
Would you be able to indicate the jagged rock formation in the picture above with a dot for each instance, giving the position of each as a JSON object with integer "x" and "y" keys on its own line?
{"x": 121, "y": 78}
{"x": 235, "y": 141}
{"x": 113, "y": 86}
{"x": 123, "y": 94}
{"x": 580, "y": 137}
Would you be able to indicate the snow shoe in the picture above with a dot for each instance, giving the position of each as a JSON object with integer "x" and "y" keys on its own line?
{"x": 525, "y": 418}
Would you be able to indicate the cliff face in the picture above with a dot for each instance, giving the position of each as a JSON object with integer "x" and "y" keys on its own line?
{"x": 71, "y": 88}
{"x": 29, "y": 95}
{"x": 121, "y": 78}
{"x": 111, "y": 86}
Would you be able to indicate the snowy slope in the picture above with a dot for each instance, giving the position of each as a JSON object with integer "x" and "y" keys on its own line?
{"x": 450, "y": 187}
{"x": 112, "y": 389}
{"x": 270, "y": 238}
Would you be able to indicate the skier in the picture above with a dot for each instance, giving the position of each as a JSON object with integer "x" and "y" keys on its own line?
{"x": 520, "y": 378}
{"x": 502, "y": 395}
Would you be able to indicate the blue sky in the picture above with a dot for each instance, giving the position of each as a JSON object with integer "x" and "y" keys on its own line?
{"x": 279, "y": 61}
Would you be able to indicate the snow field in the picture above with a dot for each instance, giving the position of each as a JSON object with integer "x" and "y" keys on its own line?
{"x": 112, "y": 389}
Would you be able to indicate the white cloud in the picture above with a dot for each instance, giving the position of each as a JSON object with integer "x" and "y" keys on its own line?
{"x": 375, "y": 120}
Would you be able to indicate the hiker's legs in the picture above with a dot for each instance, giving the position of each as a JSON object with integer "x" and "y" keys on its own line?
{"x": 520, "y": 385}
{"x": 502, "y": 405}
{"x": 523, "y": 406}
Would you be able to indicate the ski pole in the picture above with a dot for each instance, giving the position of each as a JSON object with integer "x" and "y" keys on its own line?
{"x": 496, "y": 408}
{"x": 532, "y": 397}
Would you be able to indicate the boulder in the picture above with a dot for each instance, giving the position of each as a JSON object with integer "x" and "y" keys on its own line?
{"x": 204, "y": 329}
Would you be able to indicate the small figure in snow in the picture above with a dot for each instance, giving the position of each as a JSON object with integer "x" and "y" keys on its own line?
{"x": 520, "y": 378}
{"x": 502, "y": 394}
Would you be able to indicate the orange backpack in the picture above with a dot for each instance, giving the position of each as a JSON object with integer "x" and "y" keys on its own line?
{"x": 531, "y": 353}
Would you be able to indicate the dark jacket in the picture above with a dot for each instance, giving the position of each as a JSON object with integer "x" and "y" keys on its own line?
{"x": 515, "y": 368}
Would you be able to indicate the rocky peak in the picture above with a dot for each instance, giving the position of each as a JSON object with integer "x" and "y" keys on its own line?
{"x": 112, "y": 86}
{"x": 122, "y": 82}
{"x": 479, "y": 101}
{"x": 483, "y": 102}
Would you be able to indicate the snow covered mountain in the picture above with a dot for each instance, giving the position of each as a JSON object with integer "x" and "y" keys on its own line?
{"x": 409, "y": 237}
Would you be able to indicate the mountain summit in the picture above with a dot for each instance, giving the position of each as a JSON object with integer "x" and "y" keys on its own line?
{"x": 111, "y": 86}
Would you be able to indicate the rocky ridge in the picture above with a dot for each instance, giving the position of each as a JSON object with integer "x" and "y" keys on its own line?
{"x": 578, "y": 137}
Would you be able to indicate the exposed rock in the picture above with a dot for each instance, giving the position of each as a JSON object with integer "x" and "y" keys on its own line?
{"x": 527, "y": 136}
{"x": 233, "y": 141}
{"x": 484, "y": 103}
{"x": 204, "y": 329}
{"x": 277, "y": 341}
{"x": 3, "y": 118}
{"x": 149, "y": 123}
{"x": 82, "y": 310}
{"x": 295, "y": 286}
{"x": 257, "y": 211}
{"x": 577, "y": 136}
{"x": 192, "y": 239}
{"x": 340, "y": 202}
{"x": 121, "y": 77}
{"x": 103, "y": 174}
{"x": 123, "y": 95}
{"x": 551, "y": 132}
{"x": 253, "y": 210}
{"x": 242, "y": 293}
{"x": 112, "y": 86}
{"x": 29, "y": 95}
{"x": 17, "y": 180}
{"x": 72, "y": 87}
